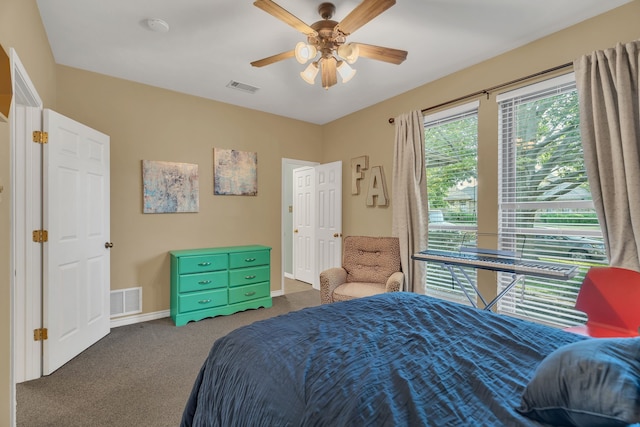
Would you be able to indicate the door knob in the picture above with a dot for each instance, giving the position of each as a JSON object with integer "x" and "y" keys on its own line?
{"x": 295, "y": 231}
{"x": 108, "y": 245}
{"x": 337, "y": 234}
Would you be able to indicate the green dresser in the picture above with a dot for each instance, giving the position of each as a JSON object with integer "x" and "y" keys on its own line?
{"x": 219, "y": 281}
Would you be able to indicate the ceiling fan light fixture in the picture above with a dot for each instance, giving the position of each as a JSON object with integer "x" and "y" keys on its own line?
{"x": 304, "y": 52}
{"x": 310, "y": 73}
{"x": 328, "y": 72}
{"x": 349, "y": 52}
{"x": 345, "y": 71}
{"x": 326, "y": 46}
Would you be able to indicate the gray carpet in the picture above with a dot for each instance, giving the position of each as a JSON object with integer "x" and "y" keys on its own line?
{"x": 138, "y": 375}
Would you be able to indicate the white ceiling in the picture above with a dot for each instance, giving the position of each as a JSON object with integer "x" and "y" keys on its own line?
{"x": 212, "y": 42}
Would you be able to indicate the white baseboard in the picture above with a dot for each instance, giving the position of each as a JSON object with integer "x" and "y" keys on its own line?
{"x": 289, "y": 276}
{"x": 145, "y": 317}
{"x": 139, "y": 318}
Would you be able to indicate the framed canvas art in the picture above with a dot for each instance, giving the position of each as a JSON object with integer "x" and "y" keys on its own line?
{"x": 170, "y": 187}
{"x": 235, "y": 172}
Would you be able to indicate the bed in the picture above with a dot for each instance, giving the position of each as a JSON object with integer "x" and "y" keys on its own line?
{"x": 398, "y": 359}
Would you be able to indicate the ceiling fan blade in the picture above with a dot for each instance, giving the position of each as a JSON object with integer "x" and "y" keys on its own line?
{"x": 278, "y": 12}
{"x": 386, "y": 54}
{"x": 275, "y": 58}
{"x": 363, "y": 13}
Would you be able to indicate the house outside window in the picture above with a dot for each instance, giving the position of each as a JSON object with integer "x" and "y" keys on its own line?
{"x": 451, "y": 152}
{"x": 545, "y": 208}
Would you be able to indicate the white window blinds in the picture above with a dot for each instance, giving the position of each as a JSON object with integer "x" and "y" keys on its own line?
{"x": 545, "y": 207}
{"x": 451, "y": 148}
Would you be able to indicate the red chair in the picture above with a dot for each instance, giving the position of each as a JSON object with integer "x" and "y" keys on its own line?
{"x": 610, "y": 297}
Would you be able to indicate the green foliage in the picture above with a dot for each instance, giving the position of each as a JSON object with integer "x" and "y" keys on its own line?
{"x": 548, "y": 151}
{"x": 548, "y": 157}
{"x": 569, "y": 218}
{"x": 451, "y": 156}
{"x": 461, "y": 217}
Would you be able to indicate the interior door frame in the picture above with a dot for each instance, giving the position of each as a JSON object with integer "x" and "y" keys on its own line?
{"x": 25, "y": 94}
{"x": 288, "y": 165}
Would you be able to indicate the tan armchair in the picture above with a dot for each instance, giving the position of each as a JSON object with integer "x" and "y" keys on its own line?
{"x": 370, "y": 265}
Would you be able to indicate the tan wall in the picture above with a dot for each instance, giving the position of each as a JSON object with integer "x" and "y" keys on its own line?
{"x": 147, "y": 123}
{"x": 21, "y": 29}
{"x": 153, "y": 124}
{"x": 368, "y": 132}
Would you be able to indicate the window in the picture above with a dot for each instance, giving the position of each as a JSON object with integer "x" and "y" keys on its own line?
{"x": 451, "y": 148}
{"x": 545, "y": 207}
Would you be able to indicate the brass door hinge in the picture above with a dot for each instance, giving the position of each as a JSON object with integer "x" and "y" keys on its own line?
{"x": 40, "y": 334}
{"x": 40, "y": 137}
{"x": 40, "y": 236}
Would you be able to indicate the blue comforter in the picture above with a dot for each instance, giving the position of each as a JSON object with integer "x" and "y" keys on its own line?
{"x": 397, "y": 359}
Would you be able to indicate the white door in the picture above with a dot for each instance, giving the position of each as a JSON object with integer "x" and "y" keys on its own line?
{"x": 317, "y": 209}
{"x": 329, "y": 219}
{"x": 304, "y": 224}
{"x": 76, "y": 257}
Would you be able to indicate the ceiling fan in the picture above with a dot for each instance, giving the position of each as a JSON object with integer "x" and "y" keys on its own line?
{"x": 328, "y": 40}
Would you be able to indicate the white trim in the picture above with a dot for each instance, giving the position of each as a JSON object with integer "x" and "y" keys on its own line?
{"x": 139, "y": 318}
{"x": 145, "y": 317}
{"x": 454, "y": 111}
{"x": 537, "y": 87}
{"x": 27, "y": 260}
{"x": 24, "y": 93}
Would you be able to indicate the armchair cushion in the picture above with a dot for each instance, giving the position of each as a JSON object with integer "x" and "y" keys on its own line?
{"x": 370, "y": 259}
{"x": 395, "y": 282}
{"x": 351, "y": 290}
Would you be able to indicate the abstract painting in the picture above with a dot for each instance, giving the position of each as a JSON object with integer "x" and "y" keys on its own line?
{"x": 235, "y": 172}
{"x": 170, "y": 187}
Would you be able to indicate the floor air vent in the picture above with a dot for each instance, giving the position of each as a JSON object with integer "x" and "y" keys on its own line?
{"x": 126, "y": 301}
{"x": 242, "y": 86}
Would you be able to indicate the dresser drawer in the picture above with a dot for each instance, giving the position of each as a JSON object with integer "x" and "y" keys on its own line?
{"x": 246, "y": 293}
{"x": 203, "y": 281}
{"x": 248, "y": 259}
{"x": 247, "y": 276}
{"x": 201, "y": 300}
{"x": 201, "y": 263}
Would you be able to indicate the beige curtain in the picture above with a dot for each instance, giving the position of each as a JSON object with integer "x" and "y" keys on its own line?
{"x": 409, "y": 198}
{"x": 607, "y": 83}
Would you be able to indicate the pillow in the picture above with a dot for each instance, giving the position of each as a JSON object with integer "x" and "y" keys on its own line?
{"x": 594, "y": 382}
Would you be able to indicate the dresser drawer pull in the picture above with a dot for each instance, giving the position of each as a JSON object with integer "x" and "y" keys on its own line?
{"x": 250, "y": 277}
{"x": 204, "y": 301}
{"x": 248, "y": 294}
{"x": 249, "y": 259}
{"x": 204, "y": 264}
{"x": 204, "y": 282}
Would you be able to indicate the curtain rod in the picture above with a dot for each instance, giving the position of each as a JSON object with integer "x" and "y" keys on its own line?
{"x": 493, "y": 88}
